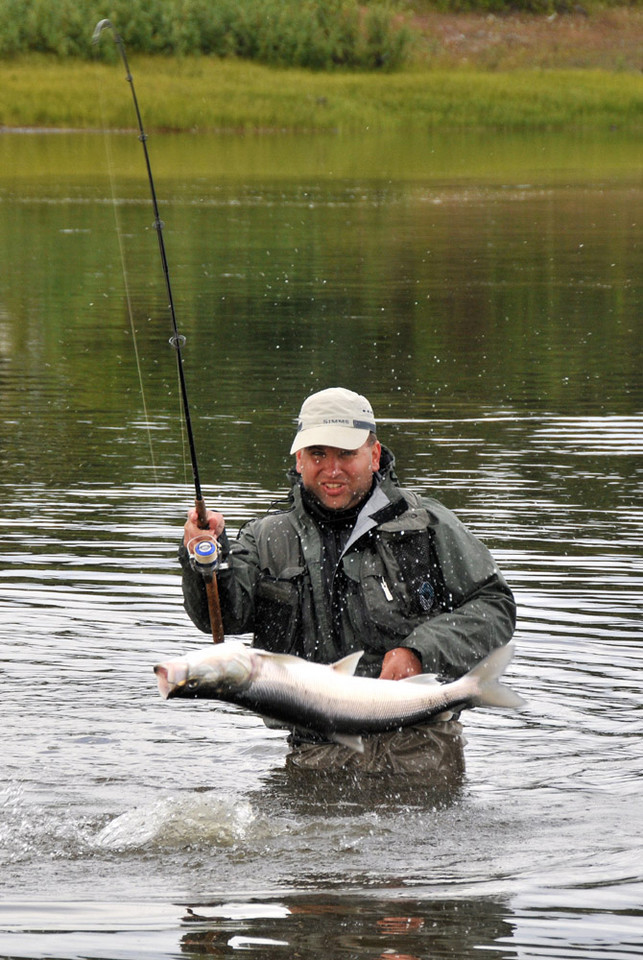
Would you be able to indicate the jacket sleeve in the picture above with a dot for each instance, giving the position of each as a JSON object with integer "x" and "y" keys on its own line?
{"x": 236, "y": 582}
{"x": 478, "y": 612}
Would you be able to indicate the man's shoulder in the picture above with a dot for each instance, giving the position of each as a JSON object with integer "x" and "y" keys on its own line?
{"x": 282, "y": 519}
{"x": 420, "y": 504}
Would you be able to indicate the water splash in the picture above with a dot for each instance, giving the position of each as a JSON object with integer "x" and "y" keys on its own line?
{"x": 31, "y": 832}
{"x": 177, "y": 821}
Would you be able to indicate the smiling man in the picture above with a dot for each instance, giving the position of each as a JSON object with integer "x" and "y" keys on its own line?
{"x": 355, "y": 562}
{"x": 339, "y": 478}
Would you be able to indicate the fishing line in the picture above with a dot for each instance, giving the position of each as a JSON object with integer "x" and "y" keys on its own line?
{"x": 206, "y": 552}
{"x": 126, "y": 284}
{"x": 177, "y": 340}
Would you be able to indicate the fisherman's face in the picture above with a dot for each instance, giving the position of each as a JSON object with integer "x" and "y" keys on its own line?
{"x": 339, "y": 478}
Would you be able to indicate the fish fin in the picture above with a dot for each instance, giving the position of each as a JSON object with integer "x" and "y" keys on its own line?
{"x": 427, "y": 678}
{"x": 444, "y": 716}
{"x": 273, "y": 724}
{"x": 492, "y": 693}
{"x": 284, "y": 657}
{"x": 348, "y": 664}
{"x": 349, "y": 740}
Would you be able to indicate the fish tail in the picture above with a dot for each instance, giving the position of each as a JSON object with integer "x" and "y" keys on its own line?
{"x": 489, "y": 692}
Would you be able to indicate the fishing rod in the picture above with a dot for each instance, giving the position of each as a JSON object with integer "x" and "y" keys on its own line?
{"x": 206, "y": 552}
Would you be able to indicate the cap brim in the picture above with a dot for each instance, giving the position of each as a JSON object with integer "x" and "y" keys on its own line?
{"x": 343, "y": 438}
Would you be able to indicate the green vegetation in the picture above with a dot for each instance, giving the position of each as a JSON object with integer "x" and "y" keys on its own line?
{"x": 314, "y": 34}
{"x": 209, "y": 94}
{"x": 317, "y": 34}
{"x": 304, "y": 65}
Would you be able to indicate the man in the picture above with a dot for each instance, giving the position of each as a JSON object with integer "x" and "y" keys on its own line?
{"x": 355, "y": 562}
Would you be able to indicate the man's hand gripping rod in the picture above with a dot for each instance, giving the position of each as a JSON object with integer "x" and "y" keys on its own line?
{"x": 206, "y": 552}
{"x": 206, "y": 559}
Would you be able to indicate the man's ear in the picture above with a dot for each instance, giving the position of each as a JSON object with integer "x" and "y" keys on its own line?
{"x": 298, "y": 461}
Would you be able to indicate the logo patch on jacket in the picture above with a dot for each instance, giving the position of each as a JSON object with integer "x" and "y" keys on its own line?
{"x": 426, "y": 594}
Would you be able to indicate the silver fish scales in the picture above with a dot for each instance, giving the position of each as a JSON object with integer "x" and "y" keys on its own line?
{"x": 328, "y": 699}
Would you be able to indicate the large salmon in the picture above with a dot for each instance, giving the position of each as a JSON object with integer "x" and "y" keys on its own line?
{"x": 327, "y": 698}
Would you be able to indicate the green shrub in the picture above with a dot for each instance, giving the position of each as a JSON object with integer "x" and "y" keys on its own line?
{"x": 318, "y": 34}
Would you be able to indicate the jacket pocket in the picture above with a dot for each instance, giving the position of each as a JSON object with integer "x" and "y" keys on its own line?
{"x": 409, "y": 559}
{"x": 405, "y": 584}
{"x": 277, "y": 625}
{"x": 378, "y": 604}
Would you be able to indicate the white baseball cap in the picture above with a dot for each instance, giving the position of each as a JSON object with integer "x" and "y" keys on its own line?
{"x": 334, "y": 418}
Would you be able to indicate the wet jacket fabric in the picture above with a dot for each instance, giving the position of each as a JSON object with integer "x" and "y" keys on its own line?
{"x": 407, "y": 573}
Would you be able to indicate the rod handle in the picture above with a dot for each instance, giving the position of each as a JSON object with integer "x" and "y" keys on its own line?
{"x": 211, "y": 585}
{"x": 214, "y": 609}
{"x": 202, "y": 513}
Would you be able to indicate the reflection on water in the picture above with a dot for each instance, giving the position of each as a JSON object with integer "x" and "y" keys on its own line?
{"x": 498, "y": 329}
{"x": 350, "y": 926}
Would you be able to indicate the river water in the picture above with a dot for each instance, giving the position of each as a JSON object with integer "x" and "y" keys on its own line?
{"x": 485, "y": 292}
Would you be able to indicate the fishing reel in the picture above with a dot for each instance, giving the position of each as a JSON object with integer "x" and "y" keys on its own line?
{"x": 205, "y": 556}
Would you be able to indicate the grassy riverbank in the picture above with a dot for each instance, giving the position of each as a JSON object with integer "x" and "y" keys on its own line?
{"x": 469, "y": 70}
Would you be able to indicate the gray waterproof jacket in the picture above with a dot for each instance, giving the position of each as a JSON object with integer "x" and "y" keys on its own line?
{"x": 411, "y": 575}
